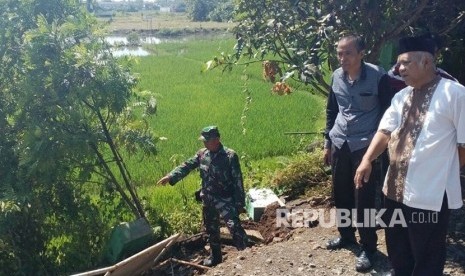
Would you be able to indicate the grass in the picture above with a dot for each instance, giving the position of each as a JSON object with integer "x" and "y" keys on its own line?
{"x": 189, "y": 100}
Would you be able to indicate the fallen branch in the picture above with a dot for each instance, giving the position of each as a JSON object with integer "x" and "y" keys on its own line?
{"x": 162, "y": 264}
{"x": 163, "y": 251}
{"x": 190, "y": 264}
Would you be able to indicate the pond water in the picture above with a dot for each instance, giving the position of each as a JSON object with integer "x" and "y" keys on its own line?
{"x": 127, "y": 50}
{"x": 121, "y": 49}
{"x": 123, "y": 40}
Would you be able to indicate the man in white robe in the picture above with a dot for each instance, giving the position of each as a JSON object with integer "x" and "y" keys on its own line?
{"x": 424, "y": 131}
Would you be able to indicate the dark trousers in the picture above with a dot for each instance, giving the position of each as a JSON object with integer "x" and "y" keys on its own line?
{"x": 346, "y": 197}
{"x": 380, "y": 170}
{"x": 420, "y": 247}
{"x": 227, "y": 211}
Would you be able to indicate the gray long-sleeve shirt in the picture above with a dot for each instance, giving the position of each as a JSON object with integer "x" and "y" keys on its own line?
{"x": 355, "y": 109}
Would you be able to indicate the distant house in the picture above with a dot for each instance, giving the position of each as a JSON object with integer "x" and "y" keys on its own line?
{"x": 165, "y": 9}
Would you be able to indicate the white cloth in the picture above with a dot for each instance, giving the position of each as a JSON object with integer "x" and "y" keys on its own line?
{"x": 434, "y": 164}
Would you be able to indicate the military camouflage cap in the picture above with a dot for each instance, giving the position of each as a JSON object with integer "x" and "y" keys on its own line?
{"x": 209, "y": 133}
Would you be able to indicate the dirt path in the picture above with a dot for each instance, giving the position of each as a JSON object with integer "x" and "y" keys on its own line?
{"x": 301, "y": 251}
{"x": 305, "y": 254}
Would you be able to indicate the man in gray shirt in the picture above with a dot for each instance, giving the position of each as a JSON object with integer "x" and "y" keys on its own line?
{"x": 360, "y": 93}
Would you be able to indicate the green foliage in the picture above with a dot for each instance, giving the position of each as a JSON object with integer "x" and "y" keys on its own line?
{"x": 9, "y": 261}
{"x": 133, "y": 39}
{"x": 187, "y": 219}
{"x": 215, "y": 10}
{"x": 275, "y": 30}
{"x": 300, "y": 35}
{"x": 80, "y": 93}
{"x": 65, "y": 115}
{"x": 174, "y": 208}
{"x": 198, "y": 10}
{"x": 223, "y": 12}
{"x": 451, "y": 57}
{"x": 301, "y": 172}
{"x": 170, "y": 32}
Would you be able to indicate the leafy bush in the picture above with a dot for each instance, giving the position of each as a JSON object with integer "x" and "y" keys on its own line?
{"x": 173, "y": 208}
{"x": 9, "y": 261}
{"x": 223, "y": 12}
{"x": 303, "y": 171}
{"x": 170, "y": 32}
{"x": 187, "y": 219}
{"x": 133, "y": 39}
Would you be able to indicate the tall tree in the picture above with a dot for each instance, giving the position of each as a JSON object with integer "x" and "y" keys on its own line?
{"x": 198, "y": 10}
{"x": 65, "y": 117}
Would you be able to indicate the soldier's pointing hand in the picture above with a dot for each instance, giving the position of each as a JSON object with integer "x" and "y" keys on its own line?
{"x": 164, "y": 180}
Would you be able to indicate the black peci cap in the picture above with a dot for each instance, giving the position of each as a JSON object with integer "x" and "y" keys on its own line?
{"x": 415, "y": 44}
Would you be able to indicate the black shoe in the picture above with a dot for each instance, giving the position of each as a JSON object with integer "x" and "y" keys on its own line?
{"x": 215, "y": 258}
{"x": 339, "y": 242}
{"x": 364, "y": 261}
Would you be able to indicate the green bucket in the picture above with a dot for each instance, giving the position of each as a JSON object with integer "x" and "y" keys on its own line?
{"x": 128, "y": 238}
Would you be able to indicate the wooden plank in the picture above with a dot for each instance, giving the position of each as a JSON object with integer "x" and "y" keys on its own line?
{"x": 137, "y": 263}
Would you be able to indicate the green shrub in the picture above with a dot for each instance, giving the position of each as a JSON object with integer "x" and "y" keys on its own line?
{"x": 173, "y": 208}
{"x": 9, "y": 261}
{"x": 303, "y": 172}
{"x": 133, "y": 39}
{"x": 187, "y": 219}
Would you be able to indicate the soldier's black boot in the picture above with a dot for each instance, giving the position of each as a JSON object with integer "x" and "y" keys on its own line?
{"x": 215, "y": 257}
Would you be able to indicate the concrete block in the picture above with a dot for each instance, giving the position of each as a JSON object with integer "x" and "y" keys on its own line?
{"x": 258, "y": 199}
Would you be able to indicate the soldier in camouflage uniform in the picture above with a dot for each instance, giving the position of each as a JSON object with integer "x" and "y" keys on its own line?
{"x": 222, "y": 191}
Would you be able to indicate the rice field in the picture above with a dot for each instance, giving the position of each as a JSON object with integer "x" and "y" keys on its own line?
{"x": 155, "y": 21}
{"x": 189, "y": 99}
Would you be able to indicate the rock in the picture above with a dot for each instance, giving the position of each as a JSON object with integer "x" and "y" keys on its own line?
{"x": 268, "y": 261}
{"x": 238, "y": 266}
{"x": 277, "y": 239}
{"x": 337, "y": 271}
